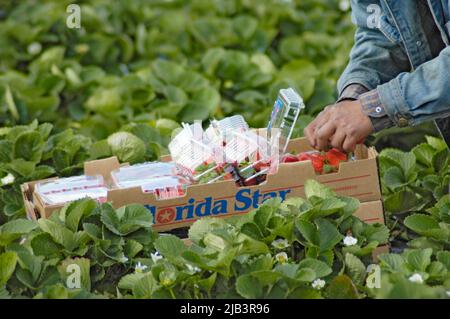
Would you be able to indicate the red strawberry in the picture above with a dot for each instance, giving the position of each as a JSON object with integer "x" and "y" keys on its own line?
{"x": 289, "y": 158}
{"x": 251, "y": 182}
{"x": 260, "y": 165}
{"x": 303, "y": 156}
{"x": 334, "y": 157}
{"x": 317, "y": 162}
{"x": 341, "y": 155}
{"x": 227, "y": 177}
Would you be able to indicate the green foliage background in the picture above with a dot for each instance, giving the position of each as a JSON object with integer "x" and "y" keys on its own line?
{"x": 123, "y": 82}
{"x": 142, "y": 61}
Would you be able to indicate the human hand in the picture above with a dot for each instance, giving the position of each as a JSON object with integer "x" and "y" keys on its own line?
{"x": 342, "y": 125}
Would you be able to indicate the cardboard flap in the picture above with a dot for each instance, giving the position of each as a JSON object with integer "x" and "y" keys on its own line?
{"x": 102, "y": 167}
{"x": 361, "y": 151}
{"x": 288, "y": 171}
{"x": 299, "y": 145}
{"x": 372, "y": 152}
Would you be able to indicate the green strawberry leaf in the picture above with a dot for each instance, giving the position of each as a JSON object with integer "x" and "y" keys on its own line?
{"x": 8, "y": 261}
{"x": 314, "y": 188}
{"x": 249, "y": 287}
{"x": 171, "y": 247}
{"x": 355, "y": 268}
{"x": 320, "y": 268}
{"x": 421, "y": 223}
{"x": 126, "y": 219}
{"x": 342, "y": 287}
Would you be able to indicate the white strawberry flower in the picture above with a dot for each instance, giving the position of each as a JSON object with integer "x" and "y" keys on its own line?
{"x": 139, "y": 268}
{"x": 34, "y": 48}
{"x": 156, "y": 256}
{"x": 123, "y": 259}
{"x": 281, "y": 257}
{"x": 8, "y": 179}
{"x": 318, "y": 284}
{"x": 280, "y": 244}
{"x": 416, "y": 278}
{"x": 350, "y": 241}
{"x": 193, "y": 269}
{"x": 448, "y": 293}
{"x": 344, "y": 5}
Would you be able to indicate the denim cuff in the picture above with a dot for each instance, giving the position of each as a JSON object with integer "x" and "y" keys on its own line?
{"x": 396, "y": 108}
{"x": 374, "y": 109}
{"x": 352, "y": 92}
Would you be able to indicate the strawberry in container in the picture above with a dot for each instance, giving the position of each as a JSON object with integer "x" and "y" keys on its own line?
{"x": 207, "y": 173}
{"x": 249, "y": 175}
{"x": 322, "y": 162}
{"x": 219, "y": 132}
{"x": 166, "y": 187}
{"x": 194, "y": 154}
{"x": 334, "y": 157}
{"x": 251, "y": 157}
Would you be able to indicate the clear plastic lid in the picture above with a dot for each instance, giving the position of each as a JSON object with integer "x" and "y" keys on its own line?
{"x": 190, "y": 148}
{"x": 218, "y": 132}
{"x": 194, "y": 154}
{"x": 153, "y": 177}
{"x": 72, "y": 188}
{"x": 284, "y": 115}
{"x": 244, "y": 145}
{"x": 160, "y": 183}
{"x": 139, "y": 174}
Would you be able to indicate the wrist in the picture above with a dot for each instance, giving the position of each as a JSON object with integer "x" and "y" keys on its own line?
{"x": 352, "y": 92}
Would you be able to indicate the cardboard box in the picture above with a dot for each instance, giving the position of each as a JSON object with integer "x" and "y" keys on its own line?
{"x": 357, "y": 178}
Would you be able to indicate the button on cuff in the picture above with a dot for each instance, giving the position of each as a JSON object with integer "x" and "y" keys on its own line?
{"x": 371, "y": 104}
{"x": 394, "y": 103}
{"x": 402, "y": 122}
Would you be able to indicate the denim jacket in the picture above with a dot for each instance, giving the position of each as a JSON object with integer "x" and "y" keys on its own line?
{"x": 393, "y": 59}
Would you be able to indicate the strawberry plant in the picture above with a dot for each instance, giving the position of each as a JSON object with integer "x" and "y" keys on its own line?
{"x": 121, "y": 84}
{"x": 34, "y": 151}
{"x": 416, "y": 179}
{"x": 414, "y": 186}
{"x": 279, "y": 250}
{"x": 181, "y": 61}
{"x": 416, "y": 273}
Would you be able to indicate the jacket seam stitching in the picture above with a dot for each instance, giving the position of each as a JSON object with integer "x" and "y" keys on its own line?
{"x": 401, "y": 35}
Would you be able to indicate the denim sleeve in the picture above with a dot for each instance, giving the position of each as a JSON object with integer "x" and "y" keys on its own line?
{"x": 377, "y": 55}
{"x": 421, "y": 95}
{"x": 352, "y": 92}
